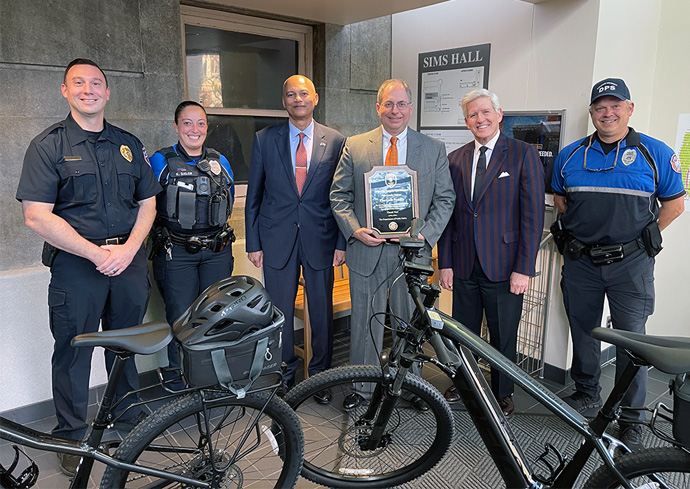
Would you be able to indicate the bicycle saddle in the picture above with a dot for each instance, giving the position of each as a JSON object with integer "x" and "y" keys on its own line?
{"x": 144, "y": 339}
{"x": 667, "y": 353}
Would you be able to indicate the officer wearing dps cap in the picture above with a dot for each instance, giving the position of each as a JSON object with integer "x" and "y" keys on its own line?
{"x": 87, "y": 189}
{"x": 617, "y": 189}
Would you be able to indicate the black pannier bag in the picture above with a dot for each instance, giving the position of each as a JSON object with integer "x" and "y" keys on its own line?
{"x": 230, "y": 336}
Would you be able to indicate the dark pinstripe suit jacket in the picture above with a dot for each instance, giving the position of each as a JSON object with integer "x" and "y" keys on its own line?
{"x": 505, "y": 227}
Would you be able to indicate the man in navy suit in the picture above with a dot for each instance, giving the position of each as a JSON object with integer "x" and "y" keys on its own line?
{"x": 488, "y": 250}
{"x": 288, "y": 219}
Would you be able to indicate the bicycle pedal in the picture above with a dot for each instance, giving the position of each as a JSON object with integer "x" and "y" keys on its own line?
{"x": 544, "y": 459}
{"x": 26, "y": 479}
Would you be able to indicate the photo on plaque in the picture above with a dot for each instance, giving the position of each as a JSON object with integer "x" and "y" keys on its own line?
{"x": 392, "y": 200}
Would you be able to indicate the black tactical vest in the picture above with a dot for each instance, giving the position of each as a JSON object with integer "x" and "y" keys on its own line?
{"x": 197, "y": 197}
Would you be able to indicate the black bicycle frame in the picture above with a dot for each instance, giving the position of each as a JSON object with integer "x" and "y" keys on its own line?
{"x": 491, "y": 423}
{"x": 22, "y": 435}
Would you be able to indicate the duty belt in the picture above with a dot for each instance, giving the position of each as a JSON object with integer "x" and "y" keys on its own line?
{"x": 607, "y": 254}
{"x": 215, "y": 241}
{"x": 204, "y": 242}
{"x": 117, "y": 240}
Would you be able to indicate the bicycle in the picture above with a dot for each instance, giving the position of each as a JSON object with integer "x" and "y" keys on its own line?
{"x": 206, "y": 437}
{"x": 385, "y": 442}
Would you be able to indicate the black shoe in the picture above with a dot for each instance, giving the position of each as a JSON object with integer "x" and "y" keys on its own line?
{"x": 507, "y": 405}
{"x": 285, "y": 387}
{"x": 323, "y": 397}
{"x": 68, "y": 463}
{"x": 631, "y": 436}
{"x": 419, "y": 404}
{"x": 128, "y": 424}
{"x": 351, "y": 401}
{"x": 586, "y": 405}
{"x": 451, "y": 394}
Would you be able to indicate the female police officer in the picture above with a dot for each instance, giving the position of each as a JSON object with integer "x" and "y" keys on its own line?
{"x": 191, "y": 238}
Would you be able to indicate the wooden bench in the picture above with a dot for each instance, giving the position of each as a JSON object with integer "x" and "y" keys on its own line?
{"x": 341, "y": 308}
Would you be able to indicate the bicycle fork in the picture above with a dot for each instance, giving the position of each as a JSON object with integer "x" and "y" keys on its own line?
{"x": 387, "y": 395}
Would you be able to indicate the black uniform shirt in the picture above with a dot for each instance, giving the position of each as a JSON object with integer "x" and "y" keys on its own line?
{"x": 95, "y": 187}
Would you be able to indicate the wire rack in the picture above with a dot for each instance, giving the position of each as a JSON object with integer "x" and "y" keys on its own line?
{"x": 532, "y": 328}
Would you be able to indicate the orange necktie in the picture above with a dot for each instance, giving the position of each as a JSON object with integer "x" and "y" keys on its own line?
{"x": 392, "y": 155}
{"x": 301, "y": 164}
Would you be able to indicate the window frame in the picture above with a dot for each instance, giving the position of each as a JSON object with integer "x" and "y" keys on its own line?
{"x": 302, "y": 34}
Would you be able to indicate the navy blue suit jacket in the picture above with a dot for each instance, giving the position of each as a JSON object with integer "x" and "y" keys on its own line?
{"x": 274, "y": 211}
{"x": 505, "y": 227}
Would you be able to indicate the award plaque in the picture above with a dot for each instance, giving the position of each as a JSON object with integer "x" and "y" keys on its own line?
{"x": 391, "y": 199}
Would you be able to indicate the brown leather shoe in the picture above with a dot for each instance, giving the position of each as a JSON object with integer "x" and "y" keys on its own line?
{"x": 451, "y": 394}
{"x": 507, "y": 405}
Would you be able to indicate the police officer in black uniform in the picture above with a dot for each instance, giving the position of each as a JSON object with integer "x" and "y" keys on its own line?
{"x": 191, "y": 240}
{"x": 87, "y": 189}
{"x": 617, "y": 190}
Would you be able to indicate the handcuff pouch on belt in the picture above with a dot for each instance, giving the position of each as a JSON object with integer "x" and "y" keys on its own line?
{"x": 651, "y": 237}
{"x": 574, "y": 248}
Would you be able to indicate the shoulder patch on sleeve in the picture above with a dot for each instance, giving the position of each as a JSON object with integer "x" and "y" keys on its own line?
{"x": 675, "y": 163}
{"x": 146, "y": 156}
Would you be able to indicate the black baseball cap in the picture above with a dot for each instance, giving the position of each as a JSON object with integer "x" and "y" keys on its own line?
{"x": 610, "y": 86}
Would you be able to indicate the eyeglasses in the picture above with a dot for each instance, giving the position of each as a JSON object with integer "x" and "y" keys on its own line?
{"x": 618, "y": 148}
{"x": 400, "y": 105}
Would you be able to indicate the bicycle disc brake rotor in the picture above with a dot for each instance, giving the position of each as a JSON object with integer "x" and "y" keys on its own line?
{"x": 201, "y": 468}
{"x": 353, "y": 440}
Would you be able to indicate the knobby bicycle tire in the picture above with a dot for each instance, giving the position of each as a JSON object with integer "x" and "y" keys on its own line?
{"x": 170, "y": 439}
{"x": 670, "y": 465}
{"x": 415, "y": 440}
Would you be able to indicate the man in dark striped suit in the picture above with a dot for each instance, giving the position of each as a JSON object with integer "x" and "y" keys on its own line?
{"x": 488, "y": 250}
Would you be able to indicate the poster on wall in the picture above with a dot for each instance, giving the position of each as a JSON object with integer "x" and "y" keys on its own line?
{"x": 444, "y": 78}
{"x": 453, "y": 138}
{"x": 683, "y": 151}
{"x": 543, "y": 129}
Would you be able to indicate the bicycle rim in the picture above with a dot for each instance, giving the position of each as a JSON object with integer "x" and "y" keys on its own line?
{"x": 252, "y": 449}
{"x": 335, "y": 455}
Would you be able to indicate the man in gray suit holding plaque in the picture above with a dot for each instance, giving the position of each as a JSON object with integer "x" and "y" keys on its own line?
{"x": 372, "y": 257}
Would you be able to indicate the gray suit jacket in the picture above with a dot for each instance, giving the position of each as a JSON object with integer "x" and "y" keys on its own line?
{"x": 361, "y": 153}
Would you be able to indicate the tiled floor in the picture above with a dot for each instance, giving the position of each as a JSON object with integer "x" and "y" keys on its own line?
{"x": 51, "y": 478}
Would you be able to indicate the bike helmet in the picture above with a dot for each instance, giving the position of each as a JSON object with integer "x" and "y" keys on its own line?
{"x": 226, "y": 311}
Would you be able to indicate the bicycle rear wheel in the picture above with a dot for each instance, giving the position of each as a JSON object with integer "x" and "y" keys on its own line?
{"x": 335, "y": 456}
{"x": 173, "y": 439}
{"x": 667, "y": 468}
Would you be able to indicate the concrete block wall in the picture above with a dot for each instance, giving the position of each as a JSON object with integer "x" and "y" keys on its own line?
{"x": 138, "y": 45}
{"x": 350, "y": 63}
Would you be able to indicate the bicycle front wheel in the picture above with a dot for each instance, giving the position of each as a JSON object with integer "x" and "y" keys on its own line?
{"x": 336, "y": 451}
{"x": 250, "y": 442}
{"x": 666, "y": 467}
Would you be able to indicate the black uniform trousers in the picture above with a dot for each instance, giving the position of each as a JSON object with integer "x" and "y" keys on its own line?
{"x": 281, "y": 285}
{"x": 629, "y": 287}
{"x": 79, "y": 298}
{"x": 182, "y": 279}
{"x": 477, "y": 295}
